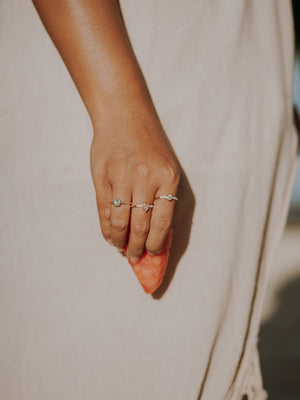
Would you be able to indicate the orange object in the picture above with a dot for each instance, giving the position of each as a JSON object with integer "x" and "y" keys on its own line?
{"x": 150, "y": 270}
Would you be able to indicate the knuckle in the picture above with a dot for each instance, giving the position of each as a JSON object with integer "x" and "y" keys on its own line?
{"x": 104, "y": 213}
{"x": 98, "y": 170}
{"x": 136, "y": 253}
{"x": 143, "y": 170}
{"x": 154, "y": 249}
{"x": 161, "y": 225}
{"x": 140, "y": 229}
{"x": 171, "y": 174}
{"x": 105, "y": 233}
{"x": 107, "y": 237}
{"x": 118, "y": 223}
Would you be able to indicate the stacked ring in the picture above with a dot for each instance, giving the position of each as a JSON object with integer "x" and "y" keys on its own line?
{"x": 118, "y": 202}
{"x": 169, "y": 197}
{"x": 145, "y": 206}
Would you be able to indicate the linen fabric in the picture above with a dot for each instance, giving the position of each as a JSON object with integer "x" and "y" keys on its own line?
{"x": 75, "y": 322}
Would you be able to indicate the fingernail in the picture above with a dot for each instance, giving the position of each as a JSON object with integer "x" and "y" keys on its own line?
{"x": 134, "y": 259}
{"x": 109, "y": 241}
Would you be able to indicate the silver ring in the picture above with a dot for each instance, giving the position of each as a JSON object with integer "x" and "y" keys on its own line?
{"x": 169, "y": 197}
{"x": 145, "y": 206}
{"x": 118, "y": 202}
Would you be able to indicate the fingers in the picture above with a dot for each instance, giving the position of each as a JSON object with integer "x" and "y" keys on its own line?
{"x": 148, "y": 230}
{"x": 114, "y": 220}
{"x": 140, "y": 230}
{"x": 139, "y": 224}
{"x": 161, "y": 221}
{"x": 103, "y": 197}
{"x": 119, "y": 217}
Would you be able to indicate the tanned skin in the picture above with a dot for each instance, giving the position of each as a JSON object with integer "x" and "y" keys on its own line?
{"x": 130, "y": 156}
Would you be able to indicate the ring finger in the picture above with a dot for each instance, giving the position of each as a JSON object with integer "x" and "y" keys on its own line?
{"x": 161, "y": 221}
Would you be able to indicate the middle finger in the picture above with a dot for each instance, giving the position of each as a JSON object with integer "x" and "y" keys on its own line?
{"x": 139, "y": 223}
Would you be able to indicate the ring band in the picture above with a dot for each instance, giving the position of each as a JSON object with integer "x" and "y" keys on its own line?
{"x": 169, "y": 197}
{"x": 118, "y": 202}
{"x": 145, "y": 206}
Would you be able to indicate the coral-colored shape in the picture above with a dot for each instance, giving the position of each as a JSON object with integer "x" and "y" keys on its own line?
{"x": 150, "y": 270}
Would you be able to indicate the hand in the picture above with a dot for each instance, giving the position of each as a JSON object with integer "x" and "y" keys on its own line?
{"x": 131, "y": 160}
{"x": 130, "y": 155}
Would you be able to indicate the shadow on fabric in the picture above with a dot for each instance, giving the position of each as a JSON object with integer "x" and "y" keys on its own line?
{"x": 182, "y": 223}
{"x": 279, "y": 345}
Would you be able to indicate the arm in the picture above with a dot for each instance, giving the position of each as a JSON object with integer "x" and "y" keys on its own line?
{"x": 130, "y": 156}
{"x": 92, "y": 40}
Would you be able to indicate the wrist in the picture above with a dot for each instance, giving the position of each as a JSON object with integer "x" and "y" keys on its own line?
{"x": 122, "y": 104}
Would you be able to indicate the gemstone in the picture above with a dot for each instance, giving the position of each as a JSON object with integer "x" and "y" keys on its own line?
{"x": 146, "y": 207}
{"x": 117, "y": 202}
{"x": 170, "y": 196}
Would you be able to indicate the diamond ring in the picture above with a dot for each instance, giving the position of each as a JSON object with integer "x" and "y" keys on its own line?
{"x": 169, "y": 197}
{"x": 118, "y": 202}
{"x": 145, "y": 206}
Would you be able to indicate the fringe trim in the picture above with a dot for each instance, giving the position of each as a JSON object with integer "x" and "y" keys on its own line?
{"x": 252, "y": 387}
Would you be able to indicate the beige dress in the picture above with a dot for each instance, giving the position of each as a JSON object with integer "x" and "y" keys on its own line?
{"x": 75, "y": 322}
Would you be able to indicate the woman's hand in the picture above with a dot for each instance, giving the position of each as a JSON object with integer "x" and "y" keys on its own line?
{"x": 131, "y": 160}
{"x": 130, "y": 155}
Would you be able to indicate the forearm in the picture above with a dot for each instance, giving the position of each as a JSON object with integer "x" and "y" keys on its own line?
{"x": 130, "y": 155}
{"x": 93, "y": 42}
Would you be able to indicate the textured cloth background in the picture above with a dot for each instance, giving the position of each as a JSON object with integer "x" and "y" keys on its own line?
{"x": 75, "y": 322}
